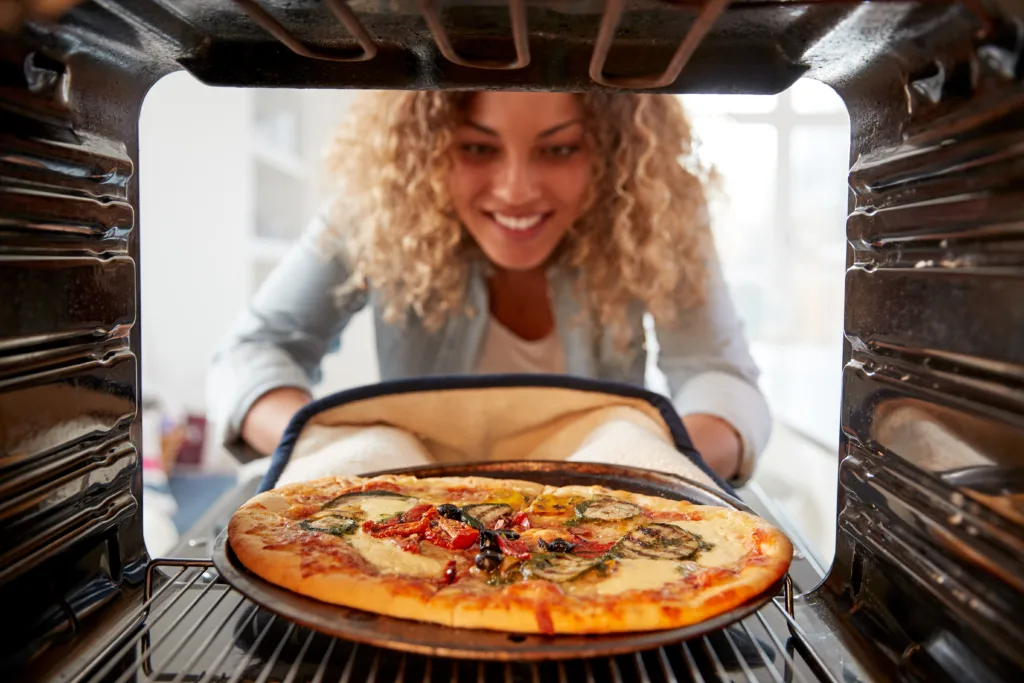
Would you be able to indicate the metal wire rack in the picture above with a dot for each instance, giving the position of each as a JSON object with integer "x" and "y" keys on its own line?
{"x": 708, "y": 13}
{"x": 194, "y": 627}
{"x": 367, "y": 48}
{"x": 520, "y": 37}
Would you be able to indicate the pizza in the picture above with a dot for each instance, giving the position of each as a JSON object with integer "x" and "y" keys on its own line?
{"x": 508, "y": 555}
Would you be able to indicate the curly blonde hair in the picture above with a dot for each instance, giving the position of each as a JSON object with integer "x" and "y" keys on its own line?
{"x": 643, "y": 236}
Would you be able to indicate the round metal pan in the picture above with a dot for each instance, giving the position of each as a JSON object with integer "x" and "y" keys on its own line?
{"x": 432, "y": 639}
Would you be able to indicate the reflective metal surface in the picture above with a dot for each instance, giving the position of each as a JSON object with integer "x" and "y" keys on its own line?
{"x": 707, "y": 16}
{"x": 340, "y": 9}
{"x": 71, "y": 548}
{"x": 930, "y": 543}
{"x": 520, "y": 37}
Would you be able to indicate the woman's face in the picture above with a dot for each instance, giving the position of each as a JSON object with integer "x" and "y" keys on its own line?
{"x": 520, "y": 174}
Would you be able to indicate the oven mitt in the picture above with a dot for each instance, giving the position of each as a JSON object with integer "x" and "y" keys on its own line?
{"x": 324, "y": 451}
{"x": 614, "y": 435}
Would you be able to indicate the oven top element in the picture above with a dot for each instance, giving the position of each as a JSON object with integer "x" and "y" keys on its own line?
{"x": 718, "y": 46}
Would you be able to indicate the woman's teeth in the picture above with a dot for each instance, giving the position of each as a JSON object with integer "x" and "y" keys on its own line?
{"x": 518, "y": 222}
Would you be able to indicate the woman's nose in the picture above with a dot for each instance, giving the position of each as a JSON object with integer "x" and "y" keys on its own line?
{"x": 516, "y": 182}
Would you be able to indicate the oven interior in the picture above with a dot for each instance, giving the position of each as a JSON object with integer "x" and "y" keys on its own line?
{"x": 927, "y": 582}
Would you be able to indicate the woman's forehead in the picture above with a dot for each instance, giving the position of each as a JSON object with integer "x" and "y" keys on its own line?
{"x": 523, "y": 110}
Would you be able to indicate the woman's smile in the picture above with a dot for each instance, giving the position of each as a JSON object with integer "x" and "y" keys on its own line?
{"x": 519, "y": 226}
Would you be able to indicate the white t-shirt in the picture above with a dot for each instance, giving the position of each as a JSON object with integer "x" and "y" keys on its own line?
{"x": 503, "y": 352}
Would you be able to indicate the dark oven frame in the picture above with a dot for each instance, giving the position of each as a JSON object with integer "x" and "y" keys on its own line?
{"x": 926, "y": 582}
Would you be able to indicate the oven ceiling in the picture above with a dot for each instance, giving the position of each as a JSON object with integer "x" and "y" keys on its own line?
{"x": 752, "y": 47}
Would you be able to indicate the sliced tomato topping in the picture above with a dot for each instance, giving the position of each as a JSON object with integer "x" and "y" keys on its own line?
{"x": 415, "y": 513}
{"x": 521, "y": 520}
{"x": 585, "y": 548}
{"x": 516, "y": 549}
{"x": 401, "y": 525}
{"x": 451, "y": 534}
{"x": 391, "y": 527}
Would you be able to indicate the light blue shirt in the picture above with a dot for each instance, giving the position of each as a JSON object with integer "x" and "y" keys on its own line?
{"x": 297, "y": 317}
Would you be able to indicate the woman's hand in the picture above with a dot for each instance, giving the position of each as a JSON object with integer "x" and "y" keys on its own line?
{"x": 717, "y": 442}
{"x": 268, "y": 417}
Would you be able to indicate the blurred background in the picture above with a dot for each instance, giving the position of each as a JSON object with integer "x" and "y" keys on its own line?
{"x": 211, "y": 232}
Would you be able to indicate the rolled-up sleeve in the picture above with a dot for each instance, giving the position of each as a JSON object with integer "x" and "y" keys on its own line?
{"x": 709, "y": 369}
{"x": 282, "y": 336}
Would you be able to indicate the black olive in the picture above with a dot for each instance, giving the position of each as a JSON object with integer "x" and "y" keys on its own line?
{"x": 487, "y": 561}
{"x": 489, "y": 542}
{"x": 510, "y": 534}
{"x": 450, "y": 511}
{"x": 559, "y": 545}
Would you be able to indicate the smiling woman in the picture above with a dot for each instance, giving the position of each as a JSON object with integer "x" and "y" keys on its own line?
{"x": 506, "y": 232}
{"x": 428, "y": 173}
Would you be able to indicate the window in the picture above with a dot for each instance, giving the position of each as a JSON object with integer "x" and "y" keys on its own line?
{"x": 780, "y": 230}
{"x": 779, "y": 226}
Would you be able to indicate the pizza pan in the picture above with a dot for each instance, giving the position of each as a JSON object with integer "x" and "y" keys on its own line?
{"x": 432, "y": 639}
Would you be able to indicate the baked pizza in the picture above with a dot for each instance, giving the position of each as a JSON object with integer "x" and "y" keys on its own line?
{"x": 508, "y": 555}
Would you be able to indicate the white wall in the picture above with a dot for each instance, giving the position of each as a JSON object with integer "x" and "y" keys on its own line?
{"x": 194, "y": 209}
{"x": 200, "y": 263}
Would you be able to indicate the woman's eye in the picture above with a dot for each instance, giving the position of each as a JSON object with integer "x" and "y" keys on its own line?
{"x": 475, "y": 149}
{"x": 561, "y": 151}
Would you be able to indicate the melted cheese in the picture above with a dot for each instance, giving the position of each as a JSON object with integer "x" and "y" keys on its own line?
{"x": 375, "y": 507}
{"x": 390, "y": 559}
{"x": 639, "y": 575}
{"x": 730, "y": 543}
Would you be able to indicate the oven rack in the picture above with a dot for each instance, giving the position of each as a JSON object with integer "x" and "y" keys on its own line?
{"x": 193, "y": 627}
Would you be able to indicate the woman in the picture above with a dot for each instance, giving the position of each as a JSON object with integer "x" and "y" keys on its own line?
{"x": 506, "y": 232}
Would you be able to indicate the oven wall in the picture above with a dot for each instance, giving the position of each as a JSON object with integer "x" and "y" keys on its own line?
{"x": 930, "y": 528}
{"x": 70, "y": 476}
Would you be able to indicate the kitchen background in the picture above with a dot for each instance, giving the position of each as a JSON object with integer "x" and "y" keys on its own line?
{"x": 232, "y": 176}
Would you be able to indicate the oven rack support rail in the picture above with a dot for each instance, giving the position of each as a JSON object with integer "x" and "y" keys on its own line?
{"x": 708, "y": 12}
{"x": 193, "y": 627}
